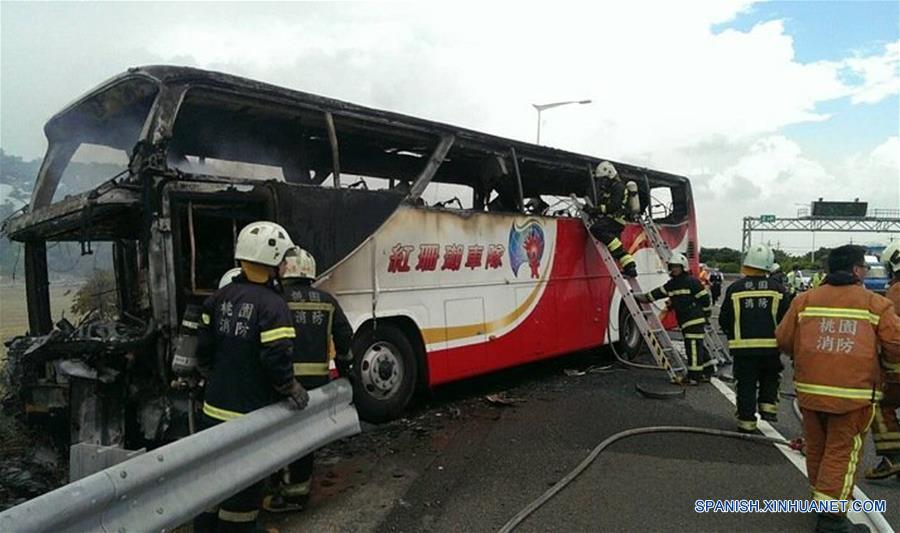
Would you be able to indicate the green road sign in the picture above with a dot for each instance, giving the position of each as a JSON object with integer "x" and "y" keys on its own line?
{"x": 767, "y": 218}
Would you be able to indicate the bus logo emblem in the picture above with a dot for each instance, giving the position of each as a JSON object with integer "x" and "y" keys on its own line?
{"x": 526, "y": 245}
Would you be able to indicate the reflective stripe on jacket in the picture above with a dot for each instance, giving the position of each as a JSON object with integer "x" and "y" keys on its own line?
{"x": 322, "y": 328}
{"x": 833, "y": 333}
{"x": 690, "y": 300}
{"x": 753, "y": 306}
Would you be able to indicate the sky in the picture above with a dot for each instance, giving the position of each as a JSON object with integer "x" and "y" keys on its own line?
{"x": 763, "y": 105}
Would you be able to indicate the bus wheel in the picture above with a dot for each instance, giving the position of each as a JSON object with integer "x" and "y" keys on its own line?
{"x": 631, "y": 343}
{"x": 385, "y": 372}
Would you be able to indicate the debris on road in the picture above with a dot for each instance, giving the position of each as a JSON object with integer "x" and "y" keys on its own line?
{"x": 502, "y": 400}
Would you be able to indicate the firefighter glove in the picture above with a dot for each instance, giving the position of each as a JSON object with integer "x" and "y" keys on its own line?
{"x": 298, "y": 395}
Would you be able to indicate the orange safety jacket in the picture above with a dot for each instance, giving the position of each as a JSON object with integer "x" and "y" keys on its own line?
{"x": 833, "y": 333}
{"x": 892, "y": 371}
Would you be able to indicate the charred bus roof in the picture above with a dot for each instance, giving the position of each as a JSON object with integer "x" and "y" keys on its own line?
{"x": 185, "y": 111}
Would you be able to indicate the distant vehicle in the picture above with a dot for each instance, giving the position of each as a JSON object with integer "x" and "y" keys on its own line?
{"x": 877, "y": 278}
{"x": 806, "y": 279}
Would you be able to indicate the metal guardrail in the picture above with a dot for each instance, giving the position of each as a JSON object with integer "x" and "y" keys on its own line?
{"x": 168, "y": 486}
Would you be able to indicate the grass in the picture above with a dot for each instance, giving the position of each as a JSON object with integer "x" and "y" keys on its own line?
{"x": 14, "y": 310}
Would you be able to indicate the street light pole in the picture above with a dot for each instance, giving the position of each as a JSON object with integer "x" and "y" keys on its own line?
{"x": 541, "y": 107}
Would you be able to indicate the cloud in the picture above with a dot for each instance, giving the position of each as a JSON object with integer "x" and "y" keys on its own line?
{"x": 673, "y": 90}
{"x": 880, "y": 75}
{"x": 773, "y": 175}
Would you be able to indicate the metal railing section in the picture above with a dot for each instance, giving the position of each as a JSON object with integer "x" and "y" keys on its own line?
{"x": 168, "y": 486}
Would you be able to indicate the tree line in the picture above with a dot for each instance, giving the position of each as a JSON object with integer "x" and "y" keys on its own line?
{"x": 728, "y": 260}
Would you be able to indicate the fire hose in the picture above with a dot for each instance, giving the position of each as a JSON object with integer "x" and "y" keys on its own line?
{"x": 564, "y": 482}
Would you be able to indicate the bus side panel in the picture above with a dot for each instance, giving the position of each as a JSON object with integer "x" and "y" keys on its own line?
{"x": 565, "y": 318}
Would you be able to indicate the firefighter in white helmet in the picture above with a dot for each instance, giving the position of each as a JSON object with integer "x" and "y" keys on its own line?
{"x": 229, "y": 276}
{"x": 886, "y": 429}
{"x": 616, "y": 203}
{"x": 246, "y": 339}
{"x": 693, "y": 307}
{"x": 752, "y": 309}
{"x": 323, "y": 334}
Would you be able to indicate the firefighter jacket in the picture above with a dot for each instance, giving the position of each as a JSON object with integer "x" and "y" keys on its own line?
{"x": 319, "y": 321}
{"x": 246, "y": 337}
{"x": 892, "y": 371}
{"x": 690, "y": 300}
{"x": 753, "y": 307}
{"x": 612, "y": 200}
{"x": 834, "y": 333}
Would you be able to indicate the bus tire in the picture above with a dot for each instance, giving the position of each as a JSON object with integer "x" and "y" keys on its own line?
{"x": 631, "y": 343}
{"x": 385, "y": 373}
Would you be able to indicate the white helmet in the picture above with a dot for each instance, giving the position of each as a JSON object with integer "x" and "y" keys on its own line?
{"x": 606, "y": 170}
{"x": 761, "y": 257}
{"x": 891, "y": 257}
{"x": 775, "y": 268}
{"x": 262, "y": 242}
{"x": 229, "y": 276}
{"x": 298, "y": 263}
{"x": 678, "y": 259}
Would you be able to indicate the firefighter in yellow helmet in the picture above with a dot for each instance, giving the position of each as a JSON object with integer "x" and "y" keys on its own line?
{"x": 245, "y": 338}
{"x": 616, "y": 202}
{"x": 886, "y": 429}
{"x": 323, "y": 334}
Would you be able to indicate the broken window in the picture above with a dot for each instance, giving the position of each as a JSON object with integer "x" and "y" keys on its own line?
{"x": 669, "y": 204}
{"x": 92, "y": 141}
{"x": 207, "y": 232}
{"x": 448, "y": 196}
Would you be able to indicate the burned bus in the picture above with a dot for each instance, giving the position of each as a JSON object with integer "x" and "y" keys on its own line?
{"x": 454, "y": 253}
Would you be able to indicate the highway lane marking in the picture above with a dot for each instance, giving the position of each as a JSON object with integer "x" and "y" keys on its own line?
{"x": 876, "y": 522}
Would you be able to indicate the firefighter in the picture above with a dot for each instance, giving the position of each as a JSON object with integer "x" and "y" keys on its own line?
{"x": 752, "y": 308}
{"x": 794, "y": 281}
{"x": 616, "y": 202}
{"x": 245, "y": 339}
{"x": 323, "y": 332}
{"x": 833, "y": 334}
{"x": 817, "y": 279}
{"x": 692, "y": 308}
{"x": 886, "y": 429}
{"x": 715, "y": 285}
{"x": 778, "y": 275}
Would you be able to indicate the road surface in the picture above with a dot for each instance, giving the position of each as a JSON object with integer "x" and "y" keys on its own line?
{"x": 462, "y": 463}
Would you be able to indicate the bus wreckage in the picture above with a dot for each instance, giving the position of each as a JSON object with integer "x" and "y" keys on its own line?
{"x": 453, "y": 252}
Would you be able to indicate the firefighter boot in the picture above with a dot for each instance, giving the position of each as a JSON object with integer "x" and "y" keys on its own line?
{"x": 278, "y": 503}
{"x": 829, "y": 523}
{"x": 886, "y": 468}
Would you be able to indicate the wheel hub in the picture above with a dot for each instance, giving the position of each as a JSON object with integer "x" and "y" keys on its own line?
{"x": 381, "y": 370}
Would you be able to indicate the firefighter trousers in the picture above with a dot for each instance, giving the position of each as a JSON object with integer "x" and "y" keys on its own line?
{"x": 834, "y": 445}
{"x": 698, "y": 361}
{"x": 296, "y": 479}
{"x": 238, "y": 513}
{"x": 607, "y": 231}
{"x": 886, "y": 429}
{"x": 757, "y": 378}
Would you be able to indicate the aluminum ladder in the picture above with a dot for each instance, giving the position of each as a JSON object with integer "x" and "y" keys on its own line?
{"x": 711, "y": 340}
{"x": 644, "y": 315}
